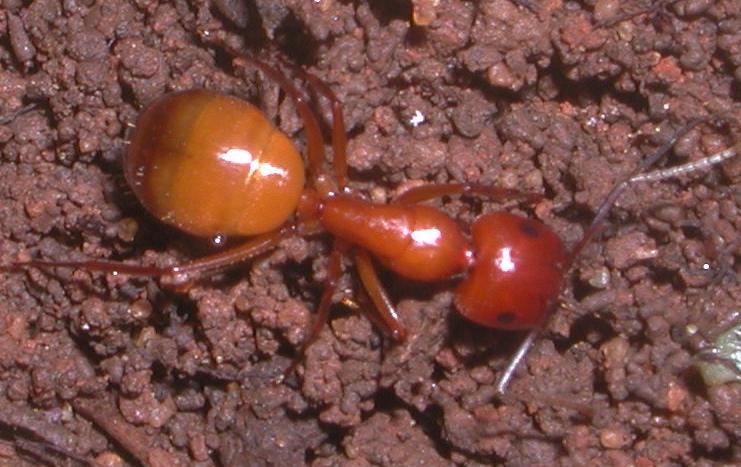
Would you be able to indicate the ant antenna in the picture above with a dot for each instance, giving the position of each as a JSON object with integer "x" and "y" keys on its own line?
{"x": 17, "y": 113}
{"x": 689, "y": 167}
{"x": 604, "y": 209}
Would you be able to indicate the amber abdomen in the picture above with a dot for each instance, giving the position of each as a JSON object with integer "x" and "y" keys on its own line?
{"x": 212, "y": 164}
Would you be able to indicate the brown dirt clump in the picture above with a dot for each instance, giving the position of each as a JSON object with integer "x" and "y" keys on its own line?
{"x": 558, "y": 98}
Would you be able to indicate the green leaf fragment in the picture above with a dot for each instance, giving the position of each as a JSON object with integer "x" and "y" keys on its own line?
{"x": 721, "y": 362}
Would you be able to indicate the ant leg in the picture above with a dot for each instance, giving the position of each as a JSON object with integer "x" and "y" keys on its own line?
{"x": 427, "y": 192}
{"x": 241, "y": 253}
{"x": 334, "y": 271}
{"x": 361, "y": 303}
{"x": 314, "y": 140}
{"x": 386, "y": 311}
{"x": 113, "y": 267}
{"x": 251, "y": 248}
{"x": 339, "y": 132}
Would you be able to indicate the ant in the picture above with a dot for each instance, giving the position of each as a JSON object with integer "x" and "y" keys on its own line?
{"x": 213, "y": 165}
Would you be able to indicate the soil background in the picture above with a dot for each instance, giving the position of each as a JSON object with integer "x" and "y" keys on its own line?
{"x": 558, "y": 98}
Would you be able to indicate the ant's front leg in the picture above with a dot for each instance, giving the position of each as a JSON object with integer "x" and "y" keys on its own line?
{"x": 387, "y": 316}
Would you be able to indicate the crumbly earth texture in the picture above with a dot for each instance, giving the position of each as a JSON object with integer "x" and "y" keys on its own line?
{"x": 560, "y": 98}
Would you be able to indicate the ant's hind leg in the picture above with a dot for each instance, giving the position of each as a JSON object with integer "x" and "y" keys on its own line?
{"x": 339, "y": 132}
{"x": 314, "y": 140}
{"x": 248, "y": 250}
{"x": 437, "y": 190}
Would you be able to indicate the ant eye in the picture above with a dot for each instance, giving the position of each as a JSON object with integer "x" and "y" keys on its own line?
{"x": 506, "y": 317}
{"x": 527, "y": 228}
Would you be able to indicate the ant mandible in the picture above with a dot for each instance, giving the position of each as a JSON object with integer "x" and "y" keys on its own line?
{"x": 211, "y": 164}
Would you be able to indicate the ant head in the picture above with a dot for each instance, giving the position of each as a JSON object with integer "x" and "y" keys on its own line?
{"x": 517, "y": 273}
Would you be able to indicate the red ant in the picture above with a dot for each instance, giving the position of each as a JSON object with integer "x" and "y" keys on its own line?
{"x": 211, "y": 165}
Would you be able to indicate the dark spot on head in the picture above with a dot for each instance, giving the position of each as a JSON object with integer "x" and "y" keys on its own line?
{"x": 506, "y": 317}
{"x": 528, "y": 229}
